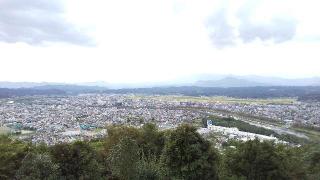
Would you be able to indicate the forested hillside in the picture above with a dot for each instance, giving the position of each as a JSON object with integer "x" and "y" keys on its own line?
{"x": 147, "y": 153}
{"x": 7, "y": 93}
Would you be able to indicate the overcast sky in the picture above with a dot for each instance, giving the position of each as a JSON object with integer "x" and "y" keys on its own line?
{"x": 157, "y": 40}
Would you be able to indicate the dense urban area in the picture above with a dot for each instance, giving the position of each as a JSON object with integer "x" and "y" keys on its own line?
{"x": 54, "y": 119}
{"x": 143, "y": 136}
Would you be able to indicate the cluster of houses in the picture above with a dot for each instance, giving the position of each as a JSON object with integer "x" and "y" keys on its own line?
{"x": 67, "y": 118}
{"x": 53, "y": 119}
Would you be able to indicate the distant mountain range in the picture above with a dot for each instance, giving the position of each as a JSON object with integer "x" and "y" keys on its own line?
{"x": 307, "y": 90}
{"x": 15, "y": 85}
{"x": 252, "y": 81}
{"x": 47, "y": 85}
{"x": 276, "y": 81}
{"x": 7, "y": 93}
{"x": 229, "y": 82}
{"x": 196, "y": 80}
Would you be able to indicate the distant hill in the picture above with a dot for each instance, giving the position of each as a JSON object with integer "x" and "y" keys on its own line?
{"x": 315, "y": 97}
{"x": 229, "y": 82}
{"x": 276, "y": 81}
{"x": 73, "y": 89}
{"x": 205, "y": 80}
{"x": 252, "y": 80}
{"x": 15, "y": 85}
{"x": 45, "y": 86}
{"x": 8, "y": 93}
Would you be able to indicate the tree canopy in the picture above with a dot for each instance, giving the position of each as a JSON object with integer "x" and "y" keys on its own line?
{"x": 148, "y": 153}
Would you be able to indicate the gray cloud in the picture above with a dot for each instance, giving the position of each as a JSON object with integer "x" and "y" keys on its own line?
{"x": 36, "y": 22}
{"x": 278, "y": 29}
{"x": 222, "y": 33}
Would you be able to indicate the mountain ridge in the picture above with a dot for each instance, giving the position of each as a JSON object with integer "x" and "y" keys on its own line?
{"x": 229, "y": 82}
{"x": 196, "y": 80}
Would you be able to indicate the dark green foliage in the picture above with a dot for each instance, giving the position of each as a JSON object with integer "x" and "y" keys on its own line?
{"x": 116, "y": 133}
{"x": 148, "y": 138}
{"x": 152, "y": 141}
{"x": 314, "y": 166}
{"x": 146, "y": 144}
{"x": 12, "y": 153}
{"x": 204, "y": 123}
{"x": 38, "y": 167}
{"x": 315, "y": 161}
{"x": 291, "y": 138}
{"x": 76, "y": 161}
{"x": 188, "y": 156}
{"x": 150, "y": 168}
{"x": 262, "y": 160}
{"x": 312, "y": 160}
{"x": 124, "y": 158}
{"x": 147, "y": 153}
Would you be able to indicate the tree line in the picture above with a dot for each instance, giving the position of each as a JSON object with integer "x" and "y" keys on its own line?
{"x": 148, "y": 153}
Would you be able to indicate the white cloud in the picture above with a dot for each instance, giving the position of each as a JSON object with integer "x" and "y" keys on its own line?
{"x": 37, "y": 22}
{"x": 143, "y": 40}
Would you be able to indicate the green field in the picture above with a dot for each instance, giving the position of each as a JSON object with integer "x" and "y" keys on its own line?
{"x": 312, "y": 134}
{"x": 218, "y": 99}
{"x": 4, "y": 130}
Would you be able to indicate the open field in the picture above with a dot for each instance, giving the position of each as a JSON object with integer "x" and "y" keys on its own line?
{"x": 8, "y": 131}
{"x": 4, "y": 130}
{"x": 314, "y": 136}
{"x": 219, "y": 99}
{"x": 266, "y": 122}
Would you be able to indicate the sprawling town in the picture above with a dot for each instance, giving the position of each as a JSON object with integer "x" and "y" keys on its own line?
{"x": 54, "y": 119}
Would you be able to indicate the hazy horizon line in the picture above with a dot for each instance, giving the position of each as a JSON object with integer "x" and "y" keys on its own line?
{"x": 181, "y": 79}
